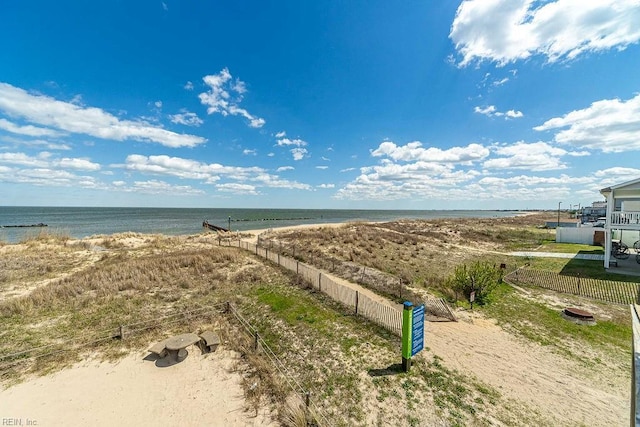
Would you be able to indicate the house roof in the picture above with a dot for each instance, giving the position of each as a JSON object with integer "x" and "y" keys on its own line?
{"x": 632, "y": 183}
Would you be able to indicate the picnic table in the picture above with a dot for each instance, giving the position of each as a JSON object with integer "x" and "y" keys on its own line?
{"x": 176, "y": 345}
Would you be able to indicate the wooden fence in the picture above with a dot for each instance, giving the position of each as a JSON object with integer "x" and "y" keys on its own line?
{"x": 382, "y": 314}
{"x": 606, "y": 290}
{"x": 435, "y": 308}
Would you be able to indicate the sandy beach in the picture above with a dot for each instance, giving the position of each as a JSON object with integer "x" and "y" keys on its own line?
{"x": 202, "y": 390}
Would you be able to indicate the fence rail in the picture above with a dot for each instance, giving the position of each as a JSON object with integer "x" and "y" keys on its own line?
{"x": 605, "y": 290}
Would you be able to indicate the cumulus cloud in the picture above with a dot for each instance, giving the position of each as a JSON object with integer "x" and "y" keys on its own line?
{"x": 160, "y": 187}
{"x": 326, "y": 186}
{"x": 284, "y": 142}
{"x": 186, "y": 118}
{"x": 236, "y": 188}
{"x": 414, "y": 151}
{"x": 225, "y": 95}
{"x": 281, "y": 134}
{"x": 45, "y": 160}
{"x": 505, "y": 31}
{"x": 188, "y": 85}
{"x": 537, "y": 156}
{"x": 46, "y": 111}
{"x": 27, "y": 130}
{"x": 610, "y": 125}
{"x": 212, "y": 173}
{"x": 299, "y": 153}
{"x": 491, "y": 111}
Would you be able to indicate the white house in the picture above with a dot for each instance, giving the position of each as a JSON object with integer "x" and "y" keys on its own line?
{"x": 623, "y": 215}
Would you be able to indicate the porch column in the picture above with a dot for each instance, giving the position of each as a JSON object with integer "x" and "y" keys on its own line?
{"x": 607, "y": 230}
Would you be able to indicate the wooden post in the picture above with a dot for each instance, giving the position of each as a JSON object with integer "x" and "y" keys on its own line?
{"x": 255, "y": 342}
{"x": 307, "y": 399}
{"x": 357, "y": 297}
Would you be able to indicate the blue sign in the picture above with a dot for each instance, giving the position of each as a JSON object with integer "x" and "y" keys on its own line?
{"x": 417, "y": 330}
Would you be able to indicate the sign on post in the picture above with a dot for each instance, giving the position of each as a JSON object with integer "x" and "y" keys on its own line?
{"x": 412, "y": 333}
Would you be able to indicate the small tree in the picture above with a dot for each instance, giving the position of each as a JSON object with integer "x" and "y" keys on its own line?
{"x": 481, "y": 277}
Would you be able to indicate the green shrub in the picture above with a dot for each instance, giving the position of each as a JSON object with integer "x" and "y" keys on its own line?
{"x": 481, "y": 277}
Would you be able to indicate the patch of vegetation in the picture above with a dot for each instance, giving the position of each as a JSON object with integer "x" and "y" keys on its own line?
{"x": 480, "y": 277}
{"x": 539, "y": 323}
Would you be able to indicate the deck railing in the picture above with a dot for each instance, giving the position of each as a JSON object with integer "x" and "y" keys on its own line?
{"x": 625, "y": 218}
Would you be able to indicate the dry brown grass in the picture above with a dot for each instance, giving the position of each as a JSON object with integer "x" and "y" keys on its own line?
{"x": 419, "y": 253}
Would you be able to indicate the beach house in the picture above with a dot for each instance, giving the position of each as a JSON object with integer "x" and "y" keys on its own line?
{"x": 623, "y": 217}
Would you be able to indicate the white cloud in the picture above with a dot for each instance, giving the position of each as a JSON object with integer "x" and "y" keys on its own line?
{"x": 281, "y": 134}
{"x": 537, "y": 156}
{"x": 158, "y": 104}
{"x": 27, "y": 130}
{"x": 285, "y": 168}
{"x": 322, "y": 167}
{"x": 506, "y": 31}
{"x": 237, "y": 188}
{"x": 79, "y": 164}
{"x": 284, "y": 142}
{"x": 35, "y": 143}
{"x": 45, "y": 160}
{"x": 500, "y": 82}
{"x": 326, "y": 186}
{"x": 186, "y": 118}
{"x": 610, "y": 125}
{"x": 206, "y": 173}
{"x": 188, "y": 85}
{"x": 224, "y": 96}
{"x": 414, "y": 151}
{"x": 248, "y": 152}
{"x": 161, "y": 187}
{"x": 45, "y": 111}
{"x": 491, "y": 111}
{"x": 299, "y": 153}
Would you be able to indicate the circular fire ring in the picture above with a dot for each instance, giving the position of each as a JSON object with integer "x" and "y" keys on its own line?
{"x": 578, "y": 315}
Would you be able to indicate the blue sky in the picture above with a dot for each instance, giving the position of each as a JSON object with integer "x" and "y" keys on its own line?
{"x": 480, "y": 104}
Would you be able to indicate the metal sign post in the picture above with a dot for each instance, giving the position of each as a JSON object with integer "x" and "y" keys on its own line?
{"x": 407, "y": 318}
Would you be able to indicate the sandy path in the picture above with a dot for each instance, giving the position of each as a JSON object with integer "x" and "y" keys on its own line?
{"x": 530, "y": 373}
{"x": 199, "y": 391}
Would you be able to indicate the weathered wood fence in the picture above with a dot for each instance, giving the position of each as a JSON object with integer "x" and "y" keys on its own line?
{"x": 435, "y": 308}
{"x": 605, "y": 290}
{"x": 384, "y": 315}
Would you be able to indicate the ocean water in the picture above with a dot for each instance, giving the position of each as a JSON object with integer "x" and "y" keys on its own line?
{"x": 79, "y": 222}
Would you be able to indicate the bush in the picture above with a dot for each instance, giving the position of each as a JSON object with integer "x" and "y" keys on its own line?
{"x": 482, "y": 277}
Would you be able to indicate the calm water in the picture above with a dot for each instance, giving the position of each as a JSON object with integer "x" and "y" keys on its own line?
{"x": 83, "y": 222}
